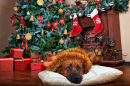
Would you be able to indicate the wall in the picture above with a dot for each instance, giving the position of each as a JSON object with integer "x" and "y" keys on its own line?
{"x": 6, "y": 11}
{"x": 125, "y": 34}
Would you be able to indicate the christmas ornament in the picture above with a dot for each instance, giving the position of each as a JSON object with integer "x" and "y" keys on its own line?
{"x": 61, "y": 41}
{"x": 89, "y": 15}
{"x": 28, "y": 13}
{"x": 12, "y": 20}
{"x": 21, "y": 18}
{"x": 39, "y": 18}
{"x": 22, "y": 24}
{"x": 18, "y": 37}
{"x": 71, "y": 17}
{"x": 96, "y": 19}
{"x": 81, "y": 7}
{"x": 50, "y": 0}
{"x": 28, "y": 36}
{"x": 65, "y": 32}
{"x": 103, "y": 9}
{"x": 62, "y": 21}
{"x": 31, "y": 19}
{"x": 48, "y": 25}
{"x": 110, "y": 4}
{"x": 76, "y": 28}
{"x": 55, "y": 25}
{"x": 42, "y": 32}
{"x": 54, "y": 2}
{"x": 80, "y": 14}
{"x": 40, "y": 2}
{"x": 15, "y": 9}
{"x": 60, "y": 1}
{"x": 60, "y": 10}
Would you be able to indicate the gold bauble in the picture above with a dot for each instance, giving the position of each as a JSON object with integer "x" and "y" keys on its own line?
{"x": 31, "y": 18}
{"x": 28, "y": 36}
{"x": 60, "y": 10}
{"x": 54, "y": 2}
{"x": 42, "y": 32}
{"x": 65, "y": 32}
{"x": 18, "y": 37}
{"x": 15, "y": 9}
{"x": 40, "y": 2}
{"x": 61, "y": 41}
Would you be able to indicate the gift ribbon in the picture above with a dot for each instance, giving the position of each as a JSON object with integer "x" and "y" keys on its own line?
{"x": 12, "y": 20}
{"x": 68, "y": 37}
{"x": 97, "y": 2}
{"x": 25, "y": 43}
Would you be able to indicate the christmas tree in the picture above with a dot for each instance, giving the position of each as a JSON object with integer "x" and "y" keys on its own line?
{"x": 41, "y": 26}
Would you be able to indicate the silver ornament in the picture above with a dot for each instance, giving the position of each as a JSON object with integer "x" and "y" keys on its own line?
{"x": 28, "y": 13}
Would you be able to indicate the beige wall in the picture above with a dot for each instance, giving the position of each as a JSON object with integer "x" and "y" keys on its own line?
{"x": 125, "y": 33}
{"x": 6, "y": 11}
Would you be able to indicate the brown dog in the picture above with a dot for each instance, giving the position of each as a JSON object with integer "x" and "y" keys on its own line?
{"x": 73, "y": 69}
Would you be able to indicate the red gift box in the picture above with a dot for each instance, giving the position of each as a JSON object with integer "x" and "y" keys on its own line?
{"x": 39, "y": 65}
{"x": 6, "y": 64}
{"x": 22, "y": 64}
{"x": 16, "y": 53}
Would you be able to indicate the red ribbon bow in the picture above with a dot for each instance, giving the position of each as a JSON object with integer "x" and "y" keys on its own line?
{"x": 39, "y": 18}
{"x": 12, "y": 20}
{"x": 97, "y": 2}
{"x": 25, "y": 43}
{"x": 60, "y": 1}
{"x": 21, "y": 18}
{"x": 62, "y": 21}
{"x": 22, "y": 24}
{"x": 55, "y": 26}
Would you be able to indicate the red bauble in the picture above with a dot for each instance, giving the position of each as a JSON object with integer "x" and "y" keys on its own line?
{"x": 48, "y": 25}
{"x": 21, "y": 18}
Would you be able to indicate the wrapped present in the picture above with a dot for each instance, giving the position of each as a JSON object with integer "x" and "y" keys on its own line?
{"x": 6, "y": 64}
{"x": 22, "y": 64}
{"x": 16, "y": 53}
{"x": 39, "y": 65}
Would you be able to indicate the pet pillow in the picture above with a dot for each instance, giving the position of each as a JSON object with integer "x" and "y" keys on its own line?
{"x": 96, "y": 75}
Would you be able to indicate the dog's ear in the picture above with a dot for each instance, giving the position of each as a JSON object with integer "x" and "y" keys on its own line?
{"x": 59, "y": 69}
{"x": 85, "y": 68}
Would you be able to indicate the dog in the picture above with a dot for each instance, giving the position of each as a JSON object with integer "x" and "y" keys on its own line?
{"x": 73, "y": 69}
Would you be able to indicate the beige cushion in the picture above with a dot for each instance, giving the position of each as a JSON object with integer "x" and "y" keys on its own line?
{"x": 97, "y": 75}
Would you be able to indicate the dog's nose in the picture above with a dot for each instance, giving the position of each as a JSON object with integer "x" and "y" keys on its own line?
{"x": 76, "y": 78}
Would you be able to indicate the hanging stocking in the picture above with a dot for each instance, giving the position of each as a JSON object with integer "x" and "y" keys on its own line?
{"x": 76, "y": 28}
{"x": 96, "y": 19}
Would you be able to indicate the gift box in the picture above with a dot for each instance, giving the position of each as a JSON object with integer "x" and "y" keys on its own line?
{"x": 39, "y": 65}
{"x": 16, "y": 53}
{"x": 22, "y": 64}
{"x": 6, "y": 64}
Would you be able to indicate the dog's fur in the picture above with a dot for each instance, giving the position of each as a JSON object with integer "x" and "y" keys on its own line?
{"x": 73, "y": 69}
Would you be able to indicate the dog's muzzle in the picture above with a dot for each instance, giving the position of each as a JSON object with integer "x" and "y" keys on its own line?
{"x": 74, "y": 78}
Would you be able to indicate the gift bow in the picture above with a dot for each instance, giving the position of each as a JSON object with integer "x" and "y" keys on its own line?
{"x": 81, "y": 7}
{"x": 22, "y": 24}
{"x": 25, "y": 43}
{"x": 55, "y": 26}
{"x": 62, "y": 21}
{"x": 39, "y": 18}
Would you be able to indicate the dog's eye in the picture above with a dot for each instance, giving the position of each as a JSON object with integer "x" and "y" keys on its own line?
{"x": 78, "y": 68}
{"x": 69, "y": 68}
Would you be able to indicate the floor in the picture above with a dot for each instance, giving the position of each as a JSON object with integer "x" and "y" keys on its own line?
{"x": 30, "y": 78}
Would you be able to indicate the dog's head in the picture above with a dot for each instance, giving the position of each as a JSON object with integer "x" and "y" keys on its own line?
{"x": 72, "y": 69}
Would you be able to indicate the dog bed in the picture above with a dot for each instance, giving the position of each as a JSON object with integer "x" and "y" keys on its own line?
{"x": 96, "y": 75}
